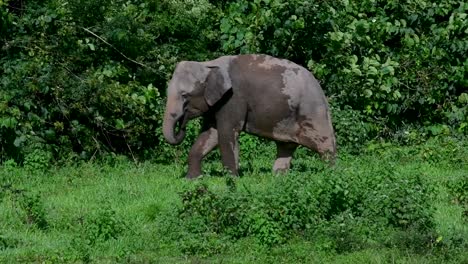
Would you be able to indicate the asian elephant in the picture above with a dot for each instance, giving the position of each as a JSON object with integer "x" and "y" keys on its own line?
{"x": 258, "y": 94}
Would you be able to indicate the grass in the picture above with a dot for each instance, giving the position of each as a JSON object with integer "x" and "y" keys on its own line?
{"x": 122, "y": 212}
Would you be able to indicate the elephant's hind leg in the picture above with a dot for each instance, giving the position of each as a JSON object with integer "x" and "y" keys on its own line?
{"x": 284, "y": 153}
{"x": 205, "y": 143}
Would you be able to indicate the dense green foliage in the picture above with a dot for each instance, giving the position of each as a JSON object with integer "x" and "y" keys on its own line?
{"x": 85, "y": 81}
{"x": 391, "y": 204}
{"x": 79, "y": 79}
{"x": 375, "y": 198}
{"x": 87, "y": 77}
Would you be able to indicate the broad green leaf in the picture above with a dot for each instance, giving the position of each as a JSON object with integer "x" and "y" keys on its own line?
{"x": 385, "y": 87}
{"x": 367, "y": 93}
{"x": 119, "y": 124}
{"x": 19, "y": 141}
{"x": 388, "y": 70}
{"x": 396, "y": 94}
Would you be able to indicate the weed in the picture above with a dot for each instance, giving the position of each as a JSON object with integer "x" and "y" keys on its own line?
{"x": 345, "y": 233}
{"x": 458, "y": 189}
{"x": 95, "y": 229}
{"x": 104, "y": 225}
{"x": 34, "y": 209}
{"x": 204, "y": 244}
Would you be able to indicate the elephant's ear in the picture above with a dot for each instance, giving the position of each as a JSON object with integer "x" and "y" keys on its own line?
{"x": 217, "y": 84}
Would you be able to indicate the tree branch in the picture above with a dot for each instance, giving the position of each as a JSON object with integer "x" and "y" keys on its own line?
{"x": 110, "y": 45}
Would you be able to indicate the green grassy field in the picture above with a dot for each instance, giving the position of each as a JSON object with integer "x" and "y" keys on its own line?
{"x": 369, "y": 208}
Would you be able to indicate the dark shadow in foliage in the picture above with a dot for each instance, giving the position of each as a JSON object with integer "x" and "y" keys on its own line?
{"x": 88, "y": 13}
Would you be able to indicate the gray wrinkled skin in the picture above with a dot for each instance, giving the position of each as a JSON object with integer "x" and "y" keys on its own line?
{"x": 258, "y": 94}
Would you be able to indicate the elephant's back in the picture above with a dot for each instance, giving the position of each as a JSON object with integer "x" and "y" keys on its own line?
{"x": 266, "y": 76}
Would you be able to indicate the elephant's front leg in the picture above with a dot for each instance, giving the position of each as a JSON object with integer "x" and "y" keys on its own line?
{"x": 205, "y": 143}
{"x": 229, "y": 147}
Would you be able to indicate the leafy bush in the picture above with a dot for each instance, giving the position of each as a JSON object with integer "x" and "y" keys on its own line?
{"x": 400, "y": 62}
{"x": 273, "y": 27}
{"x": 103, "y": 225}
{"x": 38, "y": 160}
{"x": 205, "y": 245}
{"x": 352, "y": 128}
{"x": 95, "y": 78}
{"x": 91, "y": 230}
{"x": 457, "y": 113}
{"x": 345, "y": 233}
{"x": 394, "y": 198}
{"x": 373, "y": 45}
{"x": 444, "y": 149}
{"x": 361, "y": 204}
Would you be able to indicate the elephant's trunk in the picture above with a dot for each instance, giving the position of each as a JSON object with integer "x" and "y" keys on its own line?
{"x": 173, "y": 122}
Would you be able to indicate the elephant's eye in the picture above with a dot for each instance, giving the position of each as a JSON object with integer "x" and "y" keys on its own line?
{"x": 184, "y": 95}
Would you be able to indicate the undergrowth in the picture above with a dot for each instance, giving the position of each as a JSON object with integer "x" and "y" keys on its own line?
{"x": 406, "y": 204}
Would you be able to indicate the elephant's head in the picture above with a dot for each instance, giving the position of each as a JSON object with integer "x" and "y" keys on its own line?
{"x": 194, "y": 87}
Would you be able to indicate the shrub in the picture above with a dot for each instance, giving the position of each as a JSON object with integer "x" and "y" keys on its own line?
{"x": 352, "y": 128}
{"x": 38, "y": 160}
{"x": 399, "y": 199}
{"x": 399, "y": 62}
{"x": 95, "y": 72}
{"x": 205, "y": 245}
{"x": 456, "y": 113}
{"x": 103, "y": 225}
{"x": 361, "y": 203}
{"x": 94, "y": 229}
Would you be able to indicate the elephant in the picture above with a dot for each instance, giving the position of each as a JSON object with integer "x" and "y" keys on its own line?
{"x": 255, "y": 93}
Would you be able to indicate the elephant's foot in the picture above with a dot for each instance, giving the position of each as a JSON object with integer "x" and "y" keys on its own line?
{"x": 194, "y": 169}
{"x": 329, "y": 156}
{"x": 232, "y": 172}
{"x": 193, "y": 176}
{"x": 282, "y": 165}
